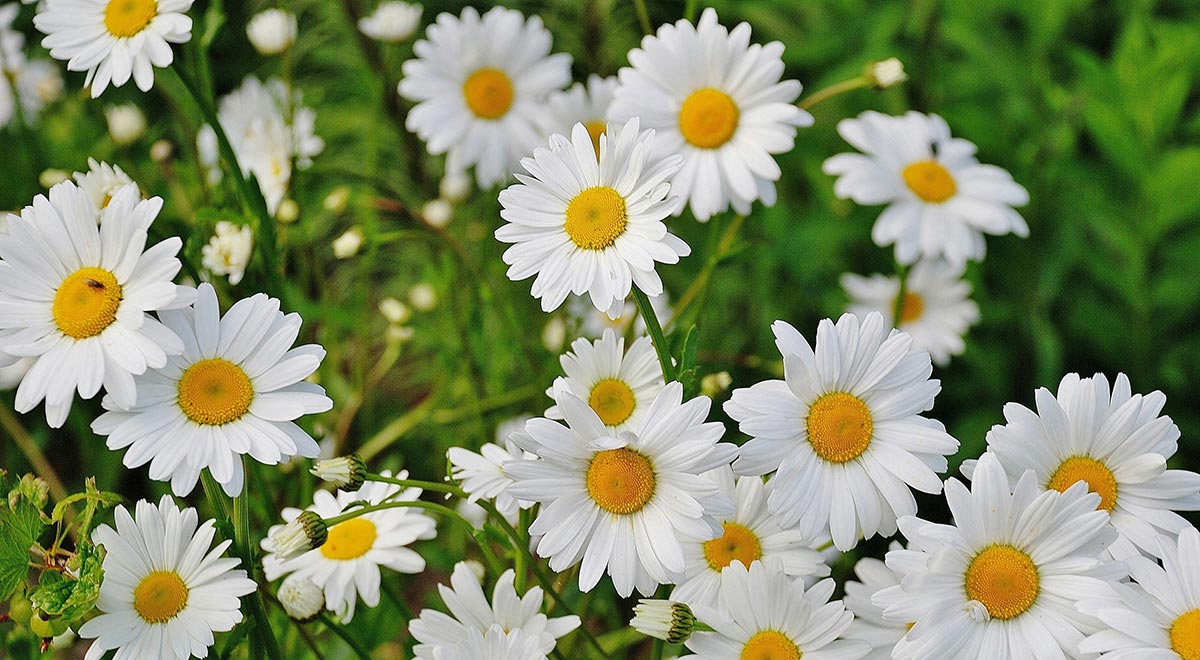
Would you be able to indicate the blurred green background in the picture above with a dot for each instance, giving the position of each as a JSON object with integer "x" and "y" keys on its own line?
{"x": 1093, "y": 106}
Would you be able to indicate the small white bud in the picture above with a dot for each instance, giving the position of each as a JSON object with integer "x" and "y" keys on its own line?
{"x": 423, "y": 297}
{"x": 126, "y": 123}
{"x": 52, "y": 177}
{"x": 337, "y": 199}
{"x": 454, "y": 188}
{"x": 301, "y": 598}
{"x": 348, "y": 244}
{"x": 394, "y": 311}
{"x": 391, "y": 21}
{"x": 161, "y": 151}
{"x": 714, "y": 384}
{"x": 272, "y": 31}
{"x": 886, "y": 73}
{"x": 288, "y": 211}
{"x": 664, "y": 619}
{"x": 554, "y": 334}
{"x": 437, "y": 213}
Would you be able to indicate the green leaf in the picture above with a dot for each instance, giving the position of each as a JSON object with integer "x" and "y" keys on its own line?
{"x": 94, "y": 497}
{"x": 20, "y": 526}
{"x": 72, "y": 596}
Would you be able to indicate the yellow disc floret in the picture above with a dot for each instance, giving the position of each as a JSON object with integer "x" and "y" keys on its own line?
{"x": 839, "y": 427}
{"x": 1099, "y": 478}
{"x": 738, "y": 543}
{"x": 930, "y": 181}
{"x": 126, "y": 18}
{"x": 1185, "y": 635}
{"x": 612, "y": 400}
{"x": 160, "y": 596}
{"x": 620, "y": 481}
{"x": 596, "y": 218}
{"x": 912, "y": 307}
{"x": 708, "y": 118}
{"x": 1004, "y": 579}
{"x": 86, "y": 303}
{"x": 489, "y": 93}
{"x": 349, "y": 540}
{"x": 595, "y": 129}
{"x": 770, "y": 645}
{"x": 215, "y": 392}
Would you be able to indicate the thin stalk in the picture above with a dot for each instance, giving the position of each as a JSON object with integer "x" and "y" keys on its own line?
{"x": 656, "y": 334}
{"x": 700, "y": 284}
{"x": 898, "y": 305}
{"x": 37, "y": 460}
{"x": 340, "y": 630}
{"x": 643, "y": 16}
{"x": 407, "y": 504}
{"x": 833, "y": 90}
{"x": 424, "y": 485}
{"x": 690, "y": 10}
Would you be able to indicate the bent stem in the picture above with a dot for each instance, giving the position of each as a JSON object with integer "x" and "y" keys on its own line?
{"x": 833, "y": 90}
{"x": 656, "y": 334}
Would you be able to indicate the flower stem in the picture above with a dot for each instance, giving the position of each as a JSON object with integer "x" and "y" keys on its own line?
{"x": 643, "y": 16}
{"x": 413, "y": 483}
{"x": 833, "y": 90}
{"x": 656, "y": 334}
{"x": 698, "y": 286}
{"x": 901, "y": 293}
{"x": 340, "y": 630}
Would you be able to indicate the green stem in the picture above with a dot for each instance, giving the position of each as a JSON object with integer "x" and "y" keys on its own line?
{"x": 340, "y": 630}
{"x": 833, "y": 90}
{"x": 407, "y": 504}
{"x": 656, "y": 334}
{"x": 898, "y": 305}
{"x": 690, "y": 10}
{"x": 724, "y": 246}
{"x": 643, "y": 16}
{"x": 414, "y": 483}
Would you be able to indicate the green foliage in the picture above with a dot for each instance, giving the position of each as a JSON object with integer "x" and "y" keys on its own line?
{"x": 20, "y": 527}
{"x": 69, "y": 596}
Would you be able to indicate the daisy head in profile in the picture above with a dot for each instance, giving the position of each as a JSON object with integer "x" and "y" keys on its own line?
{"x": 478, "y": 83}
{"x": 585, "y": 104}
{"x": 717, "y": 99}
{"x": 114, "y": 40}
{"x": 166, "y": 590}
{"x": 940, "y": 199}
{"x": 591, "y": 226}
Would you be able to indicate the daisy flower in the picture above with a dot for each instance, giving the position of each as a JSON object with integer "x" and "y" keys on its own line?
{"x": 234, "y": 391}
{"x": 762, "y": 613}
{"x": 482, "y": 474}
{"x": 495, "y": 643}
{"x": 588, "y": 226}
{"x": 392, "y": 21}
{"x": 937, "y": 309}
{"x": 941, "y": 200}
{"x": 470, "y": 611}
{"x": 347, "y": 565}
{"x": 869, "y": 624}
{"x": 1159, "y": 617}
{"x": 478, "y": 84}
{"x": 1005, "y": 579}
{"x": 843, "y": 431}
{"x": 114, "y": 40}
{"x": 718, "y": 100}
{"x": 101, "y": 182}
{"x": 581, "y": 104}
{"x": 748, "y": 535}
{"x": 619, "y": 386}
{"x": 164, "y": 592}
{"x": 623, "y": 504}
{"x": 1115, "y": 442}
{"x": 75, "y": 296}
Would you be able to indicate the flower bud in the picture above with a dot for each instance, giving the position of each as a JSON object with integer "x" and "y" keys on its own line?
{"x": 423, "y": 297}
{"x": 272, "y": 31}
{"x": 714, "y": 384}
{"x": 454, "y": 188}
{"x": 664, "y": 619}
{"x": 301, "y": 598}
{"x": 886, "y": 73}
{"x": 394, "y": 311}
{"x": 345, "y": 472}
{"x": 306, "y": 532}
{"x": 126, "y": 123}
{"x": 437, "y": 213}
{"x": 348, "y": 244}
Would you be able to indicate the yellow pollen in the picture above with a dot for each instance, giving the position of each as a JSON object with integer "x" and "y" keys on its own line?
{"x": 839, "y": 427}
{"x": 126, "y": 18}
{"x": 160, "y": 596}
{"x": 595, "y": 129}
{"x": 770, "y": 645}
{"x": 1099, "y": 478}
{"x": 930, "y": 181}
{"x": 107, "y": 198}
{"x": 909, "y": 626}
{"x": 215, "y": 392}
{"x": 596, "y": 218}
{"x": 708, "y": 118}
{"x": 1004, "y": 579}
{"x": 912, "y": 307}
{"x": 613, "y": 401}
{"x": 1185, "y": 635}
{"x": 489, "y": 93}
{"x": 620, "y": 481}
{"x": 737, "y": 543}
{"x": 349, "y": 540}
{"x": 86, "y": 303}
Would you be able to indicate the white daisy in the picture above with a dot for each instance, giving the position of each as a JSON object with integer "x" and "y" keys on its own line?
{"x": 748, "y": 535}
{"x": 869, "y": 624}
{"x": 1005, "y": 579}
{"x": 234, "y": 391}
{"x": 941, "y": 200}
{"x": 269, "y": 130}
{"x": 580, "y": 104}
{"x": 482, "y": 475}
{"x": 623, "y": 504}
{"x": 392, "y": 21}
{"x": 618, "y": 385}
{"x": 593, "y": 322}
{"x": 762, "y": 614}
{"x": 38, "y": 83}
{"x": 937, "y": 309}
{"x": 12, "y": 42}
{"x": 164, "y": 592}
{"x": 471, "y": 612}
{"x": 101, "y": 182}
{"x": 843, "y": 431}
{"x": 1159, "y": 617}
{"x": 347, "y": 565}
{"x": 718, "y": 100}
{"x": 478, "y": 84}
{"x": 1116, "y": 442}
{"x": 584, "y": 226}
{"x": 114, "y": 40}
{"x": 494, "y": 643}
{"x": 228, "y": 251}
{"x": 75, "y": 295}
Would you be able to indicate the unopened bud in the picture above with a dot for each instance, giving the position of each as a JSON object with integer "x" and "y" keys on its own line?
{"x": 886, "y": 73}
{"x": 344, "y": 472}
{"x": 301, "y": 598}
{"x": 714, "y": 384}
{"x": 306, "y": 532}
{"x": 664, "y": 619}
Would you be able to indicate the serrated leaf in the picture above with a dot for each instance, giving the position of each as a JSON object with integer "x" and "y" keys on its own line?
{"x": 20, "y": 527}
{"x": 72, "y": 596}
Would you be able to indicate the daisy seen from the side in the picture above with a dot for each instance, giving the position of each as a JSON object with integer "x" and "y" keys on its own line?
{"x": 581, "y": 103}
{"x": 101, "y": 181}
{"x": 618, "y": 384}
{"x": 869, "y": 624}
{"x": 482, "y": 474}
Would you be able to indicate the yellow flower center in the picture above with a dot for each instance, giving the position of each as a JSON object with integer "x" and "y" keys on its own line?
{"x": 86, "y": 303}
{"x": 595, "y": 129}
{"x": 770, "y": 645}
{"x": 596, "y": 218}
{"x": 930, "y": 181}
{"x": 1099, "y": 478}
{"x": 125, "y": 18}
{"x": 215, "y": 392}
{"x": 160, "y": 596}
{"x": 1185, "y": 635}
{"x": 489, "y": 93}
{"x": 1004, "y": 579}
{"x": 912, "y": 307}
{"x": 737, "y": 543}
{"x": 613, "y": 401}
{"x": 839, "y": 427}
{"x": 708, "y": 118}
{"x": 620, "y": 481}
{"x": 349, "y": 540}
